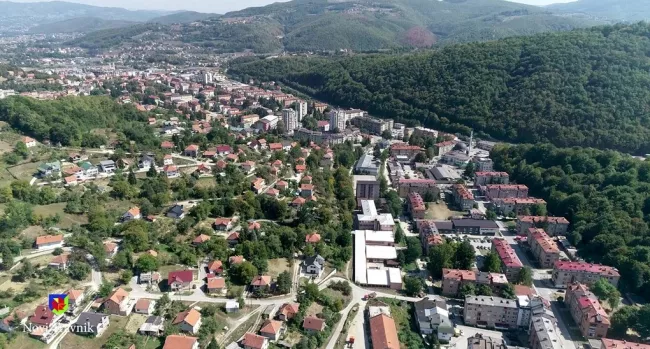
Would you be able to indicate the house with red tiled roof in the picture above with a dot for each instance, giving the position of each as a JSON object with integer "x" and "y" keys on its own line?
{"x": 188, "y": 321}
{"x": 313, "y": 324}
{"x": 180, "y": 280}
{"x": 253, "y": 341}
{"x": 271, "y": 329}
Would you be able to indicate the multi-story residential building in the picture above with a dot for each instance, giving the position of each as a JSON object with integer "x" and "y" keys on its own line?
{"x": 514, "y": 205}
{"x": 369, "y": 219}
{"x": 552, "y": 225}
{"x": 511, "y": 265}
{"x": 416, "y": 206}
{"x": 367, "y": 187}
{"x": 487, "y": 177}
{"x": 404, "y": 149}
{"x": 491, "y": 312}
{"x": 544, "y": 333}
{"x": 503, "y": 191}
{"x": 586, "y": 311}
{"x": 372, "y": 125}
{"x": 420, "y": 186}
{"x": 463, "y": 197}
{"x": 565, "y": 273}
{"x": 483, "y": 164}
{"x": 543, "y": 247}
{"x": 454, "y": 279}
{"x": 290, "y": 120}
{"x": 445, "y": 147}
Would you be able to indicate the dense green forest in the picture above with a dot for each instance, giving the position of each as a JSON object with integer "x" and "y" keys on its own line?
{"x": 580, "y": 88}
{"x": 70, "y": 120}
{"x": 604, "y": 194}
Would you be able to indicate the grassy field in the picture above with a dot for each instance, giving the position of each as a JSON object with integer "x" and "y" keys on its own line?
{"x": 67, "y": 220}
{"x": 440, "y": 211}
{"x": 277, "y": 266}
{"x": 24, "y": 341}
{"x": 73, "y": 341}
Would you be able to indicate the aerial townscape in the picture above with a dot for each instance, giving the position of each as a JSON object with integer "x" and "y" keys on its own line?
{"x": 457, "y": 174}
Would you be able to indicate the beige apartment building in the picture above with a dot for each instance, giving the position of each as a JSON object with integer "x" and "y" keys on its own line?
{"x": 491, "y": 312}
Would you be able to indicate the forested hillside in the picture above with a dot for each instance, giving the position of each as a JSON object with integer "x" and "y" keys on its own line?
{"x": 604, "y": 194}
{"x": 580, "y": 88}
{"x": 69, "y": 121}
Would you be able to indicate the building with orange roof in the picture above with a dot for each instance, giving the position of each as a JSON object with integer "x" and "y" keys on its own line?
{"x": 119, "y": 303}
{"x": 181, "y": 342}
{"x": 188, "y": 321}
{"x": 48, "y": 242}
{"x": 383, "y": 332}
{"x": 591, "y": 317}
{"x": 271, "y": 329}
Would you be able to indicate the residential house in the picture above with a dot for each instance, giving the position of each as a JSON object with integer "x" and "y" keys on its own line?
{"x": 313, "y": 324}
{"x": 118, "y": 303}
{"x": 271, "y": 329}
{"x": 188, "y": 321}
{"x": 96, "y": 323}
{"x": 192, "y": 150}
{"x": 288, "y": 310}
{"x": 383, "y": 332}
{"x": 314, "y": 265}
{"x": 60, "y": 262}
{"x": 153, "y": 326}
{"x": 223, "y": 224}
{"x": 181, "y": 342}
{"x": 49, "y": 242}
{"x": 261, "y": 282}
{"x": 253, "y": 341}
{"x": 180, "y": 280}
{"x": 131, "y": 214}
{"x": 216, "y": 285}
{"x": 144, "y": 306}
{"x": 176, "y": 212}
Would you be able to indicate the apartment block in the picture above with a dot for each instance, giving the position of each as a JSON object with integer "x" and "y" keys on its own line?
{"x": 420, "y": 186}
{"x": 454, "y": 279}
{"x": 485, "y": 178}
{"x": 463, "y": 197}
{"x": 416, "y": 206}
{"x": 586, "y": 311}
{"x": 491, "y": 312}
{"x": 543, "y": 247}
{"x": 552, "y": 225}
{"x": 503, "y": 191}
{"x": 565, "y": 273}
{"x": 511, "y": 265}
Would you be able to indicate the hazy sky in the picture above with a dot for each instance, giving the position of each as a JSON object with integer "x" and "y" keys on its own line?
{"x": 215, "y": 6}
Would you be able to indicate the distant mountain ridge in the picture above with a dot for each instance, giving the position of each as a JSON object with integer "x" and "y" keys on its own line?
{"x": 613, "y": 10}
{"x": 360, "y": 25}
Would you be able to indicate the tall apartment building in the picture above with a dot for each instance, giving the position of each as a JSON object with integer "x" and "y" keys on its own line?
{"x": 552, "y": 225}
{"x": 503, "y": 191}
{"x": 487, "y": 177}
{"x": 491, "y": 312}
{"x": 463, "y": 197}
{"x": 586, "y": 311}
{"x": 301, "y": 109}
{"x": 367, "y": 188}
{"x": 420, "y": 186}
{"x": 290, "y": 120}
{"x": 454, "y": 279}
{"x": 416, "y": 206}
{"x": 543, "y": 247}
{"x": 565, "y": 273}
{"x": 511, "y": 265}
{"x": 369, "y": 219}
{"x": 544, "y": 333}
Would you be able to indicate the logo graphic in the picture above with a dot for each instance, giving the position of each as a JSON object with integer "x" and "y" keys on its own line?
{"x": 58, "y": 303}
